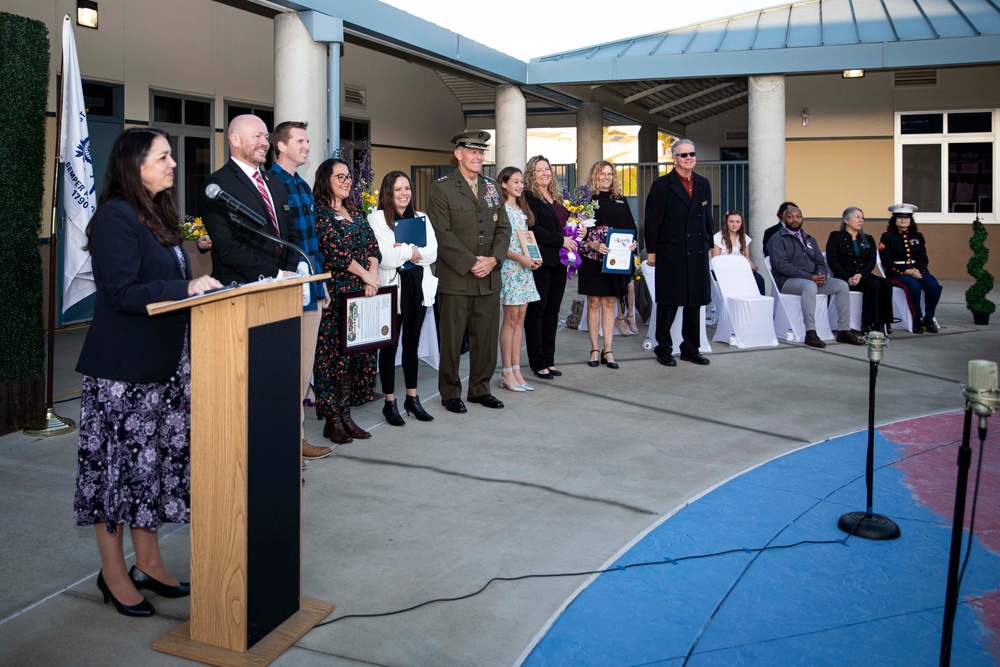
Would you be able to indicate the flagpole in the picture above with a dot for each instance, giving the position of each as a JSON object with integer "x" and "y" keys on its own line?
{"x": 52, "y": 424}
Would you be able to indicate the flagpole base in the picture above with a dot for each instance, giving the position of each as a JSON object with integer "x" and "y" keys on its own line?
{"x": 51, "y": 425}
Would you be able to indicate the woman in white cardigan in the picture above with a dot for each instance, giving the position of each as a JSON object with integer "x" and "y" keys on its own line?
{"x": 409, "y": 268}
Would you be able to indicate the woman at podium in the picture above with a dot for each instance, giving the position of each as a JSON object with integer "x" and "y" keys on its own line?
{"x": 134, "y": 452}
{"x": 351, "y": 256}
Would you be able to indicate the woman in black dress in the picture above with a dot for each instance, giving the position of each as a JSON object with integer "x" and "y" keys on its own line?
{"x": 541, "y": 320}
{"x": 850, "y": 253}
{"x": 133, "y": 465}
{"x": 604, "y": 290}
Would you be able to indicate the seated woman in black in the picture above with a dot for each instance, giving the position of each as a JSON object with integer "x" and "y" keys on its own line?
{"x": 850, "y": 254}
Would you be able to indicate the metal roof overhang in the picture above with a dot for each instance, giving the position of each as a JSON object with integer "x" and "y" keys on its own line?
{"x": 791, "y": 60}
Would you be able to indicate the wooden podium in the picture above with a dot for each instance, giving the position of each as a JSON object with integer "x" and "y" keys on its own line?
{"x": 246, "y": 484}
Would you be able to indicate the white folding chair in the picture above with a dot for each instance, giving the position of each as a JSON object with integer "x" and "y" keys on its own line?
{"x": 857, "y": 300}
{"x": 743, "y": 311}
{"x": 900, "y": 304}
{"x": 649, "y": 275}
{"x": 788, "y": 313}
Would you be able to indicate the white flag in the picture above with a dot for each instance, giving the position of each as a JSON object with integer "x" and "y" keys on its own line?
{"x": 79, "y": 199}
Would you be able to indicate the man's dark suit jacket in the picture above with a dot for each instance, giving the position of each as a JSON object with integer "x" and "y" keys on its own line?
{"x": 239, "y": 255}
{"x": 132, "y": 270}
{"x": 679, "y": 230}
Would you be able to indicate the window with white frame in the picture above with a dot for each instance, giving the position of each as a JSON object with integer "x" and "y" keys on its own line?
{"x": 945, "y": 162}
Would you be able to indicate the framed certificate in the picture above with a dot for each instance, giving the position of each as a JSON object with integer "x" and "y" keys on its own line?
{"x": 529, "y": 247}
{"x": 619, "y": 257}
{"x": 368, "y": 323}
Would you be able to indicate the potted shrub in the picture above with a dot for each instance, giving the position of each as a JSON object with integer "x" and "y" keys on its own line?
{"x": 976, "y": 297}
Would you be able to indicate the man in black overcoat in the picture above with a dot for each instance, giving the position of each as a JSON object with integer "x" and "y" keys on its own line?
{"x": 679, "y": 230}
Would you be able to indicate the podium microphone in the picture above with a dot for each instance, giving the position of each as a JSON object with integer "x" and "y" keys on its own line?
{"x": 240, "y": 212}
{"x": 982, "y": 397}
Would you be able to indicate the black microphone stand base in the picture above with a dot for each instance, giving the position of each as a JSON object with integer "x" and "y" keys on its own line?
{"x": 869, "y": 526}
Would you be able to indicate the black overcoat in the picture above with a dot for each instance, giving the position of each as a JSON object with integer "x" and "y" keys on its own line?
{"x": 679, "y": 230}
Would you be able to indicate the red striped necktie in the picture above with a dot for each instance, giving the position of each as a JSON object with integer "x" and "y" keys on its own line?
{"x": 267, "y": 201}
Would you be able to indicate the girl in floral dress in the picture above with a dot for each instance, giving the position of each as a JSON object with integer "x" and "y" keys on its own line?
{"x": 518, "y": 283}
{"x": 351, "y": 255}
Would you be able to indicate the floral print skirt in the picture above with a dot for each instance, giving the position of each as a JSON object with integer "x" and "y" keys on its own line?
{"x": 134, "y": 461}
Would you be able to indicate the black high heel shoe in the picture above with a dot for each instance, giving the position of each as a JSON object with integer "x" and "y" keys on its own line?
{"x": 143, "y": 580}
{"x": 611, "y": 364}
{"x": 144, "y": 608}
{"x": 412, "y": 404}
{"x": 593, "y": 363}
{"x": 391, "y": 414}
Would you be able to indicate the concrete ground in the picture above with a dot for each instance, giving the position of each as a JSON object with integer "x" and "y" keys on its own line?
{"x": 560, "y": 480}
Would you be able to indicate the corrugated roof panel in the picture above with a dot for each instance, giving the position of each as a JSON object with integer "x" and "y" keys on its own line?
{"x": 641, "y": 46}
{"x": 709, "y": 37}
{"x": 772, "y": 29}
{"x": 740, "y": 34}
{"x": 838, "y": 23}
{"x": 873, "y": 25}
{"x": 947, "y": 21}
{"x": 676, "y": 42}
{"x": 804, "y": 27}
{"x": 985, "y": 17}
{"x": 909, "y": 20}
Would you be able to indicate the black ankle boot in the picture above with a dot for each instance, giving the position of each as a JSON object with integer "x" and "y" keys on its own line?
{"x": 391, "y": 414}
{"x": 412, "y": 404}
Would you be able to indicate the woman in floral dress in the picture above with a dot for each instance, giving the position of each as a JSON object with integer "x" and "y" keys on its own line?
{"x": 518, "y": 283}
{"x": 134, "y": 459}
{"x": 350, "y": 254}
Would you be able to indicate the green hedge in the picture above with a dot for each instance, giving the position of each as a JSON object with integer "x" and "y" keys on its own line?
{"x": 24, "y": 73}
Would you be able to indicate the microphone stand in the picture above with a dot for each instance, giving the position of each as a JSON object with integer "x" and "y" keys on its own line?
{"x": 866, "y": 524}
{"x": 238, "y": 218}
{"x": 984, "y": 403}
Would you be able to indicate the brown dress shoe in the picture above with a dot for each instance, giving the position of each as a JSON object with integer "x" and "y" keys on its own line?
{"x": 313, "y": 453}
{"x": 849, "y": 337}
{"x": 812, "y": 340}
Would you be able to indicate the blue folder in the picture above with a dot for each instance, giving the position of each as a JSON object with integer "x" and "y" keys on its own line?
{"x": 412, "y": 231}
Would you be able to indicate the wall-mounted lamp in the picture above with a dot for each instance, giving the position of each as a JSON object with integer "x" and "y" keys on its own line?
{"x": 86, "y": 13}
{"x": 805, "y": 116}
{"x": 853, "y": 73}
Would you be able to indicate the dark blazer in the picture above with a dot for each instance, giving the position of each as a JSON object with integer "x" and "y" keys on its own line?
{"x": 467, "y": 227}
{"x": 547, "y": 229}
{"x": 900, "y": 253}
{"x": 843, "y": 261}
{"x": 132, "y": 270}
{"x": 768, "y": 233}
{"x": 790, "y": 259}
{"x": 679, "y": 230}
{"x": 239, "y": 255}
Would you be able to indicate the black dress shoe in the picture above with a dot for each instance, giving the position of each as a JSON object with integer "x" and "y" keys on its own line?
{"x": 453, "y": 405}
{"x": 918, "y": 328}
{"x": 593, "y": 363}
{"x": 487, "y": 400}
{"x": 554, "y": 373}
{"x": 545, "y": 375}
{"x": 611, "y": 364}
{"x": 144, "y": 608}
{"x": 391, "y": 413}
{"x": 929, "y": 325}
{"x": 143, "y": 580}
{"x": 666, "y": 359}
{"x": 695, "y": 358}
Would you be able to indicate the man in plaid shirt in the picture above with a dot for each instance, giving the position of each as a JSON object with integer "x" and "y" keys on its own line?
{"x": 291, "y": 149}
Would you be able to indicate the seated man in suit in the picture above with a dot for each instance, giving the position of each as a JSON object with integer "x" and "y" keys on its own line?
{"x": 238, "y": 254}
{"x": 799, "y": 268}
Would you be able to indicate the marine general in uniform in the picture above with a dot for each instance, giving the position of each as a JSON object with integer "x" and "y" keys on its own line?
{"x": 467, "y": 212}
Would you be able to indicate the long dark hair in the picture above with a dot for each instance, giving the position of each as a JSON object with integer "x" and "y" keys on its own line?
{"x": 123, "y": 180}
{"x": 385, "y": 198}
{"x": 741, "y": 233}
{"x": 323, "y": 191}
{"x": 503, "y": 178}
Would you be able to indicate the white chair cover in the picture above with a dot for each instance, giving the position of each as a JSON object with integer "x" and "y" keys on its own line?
{"x": 649, "y": 274}
{"x": 428, "y": 349}
{"x": 788, "y": 313}
{"x": 900, "y": 305}
{"x": 744, "y": 311}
